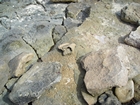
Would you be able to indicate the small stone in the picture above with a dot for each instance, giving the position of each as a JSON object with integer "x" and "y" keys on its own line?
{"x": 131, "y": 13}
{"x": 35, "y": 81}
{"x": 67, "y": 48}
{"x": 108, "y": 99}
{"x": 58, "y": 32}
{"x": 18, "y": 65}
{"x": 125, "y": 93}
{"x": 134, "y": 38}
{"x": 11, "y": 83}
{"x": 89, "y": 98}
{"x": 137, "y": 87}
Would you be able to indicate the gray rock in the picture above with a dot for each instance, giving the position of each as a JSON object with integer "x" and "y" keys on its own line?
{"x": 40, "y": 37}
{"x": 137, "y": 87}
{"x": 105, "y": 69}
{"x": 4, "y": 100}
{"x": 58, "y": 32}
{"x": 108, "y": 99}
{"x": 70, "y": 23}
{"x": 12, "y": 45}
{"x": 19, "y": 64}
{"x": 10, "y": 83}
{"x": 125, "y": 93}
{"x": 131, "y": 13}
{"x": 89, "y": 98}
{"x": 134, "y": 38}
{"x": 78, "y": 11}
{"x": 138, "y": 103}
{"x": 34, "y": 82}
{"x": 3, "y": 30}
{"x": 4, "y": 74}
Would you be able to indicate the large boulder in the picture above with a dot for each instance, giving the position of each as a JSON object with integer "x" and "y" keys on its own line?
{"x": 35, "y": 81}
{"x": 105, "y": 69}
{"x": 134, "y": 38}
{"x": 131, "y": 13}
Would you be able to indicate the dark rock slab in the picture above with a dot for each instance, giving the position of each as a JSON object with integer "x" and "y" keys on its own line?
{"x": 108, "y": 99}
{"x": 35, "y": 81}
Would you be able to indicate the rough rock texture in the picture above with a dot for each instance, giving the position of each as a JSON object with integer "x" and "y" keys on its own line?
{"x": 131, "y": 13}
{"x": 105, "y": 69}
{"x": 108, "y": 99}
{"x": 125, "y": 93}
{"x": 138, "y": 103}
{"x": 19, "y": 64}
{"x": 67, "y": 48}
{"x": 32, "y": 84}
{"x": 40, "y": 37}
{"x": 12, "y": 45}
{"x": 137, "y": 87}
{"x": 134, "y": 38}
{"x": 89, "y": 98}
{"x": 4, "y": 74}
{"x": 58, "y": 32}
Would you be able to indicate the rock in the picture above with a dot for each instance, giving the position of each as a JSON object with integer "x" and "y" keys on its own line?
{"x": 125, "y": 93}
{"x": 35, "y": 81}
{"x": 4, "y": 74}
{"x": 105, "y": 69}
{"x": 4, "y": 100}
{"x": 12, "y": 45}
{"x": 70, "y": 23}
{"x": 40, "y": 37}
{"x": 137, "y": 87}
{"x": 131, "y": 13}
{"x": 89, "y": 98}
{"x": 58, "y": 32}
{"x": 19, "y": 64}
{"x": 10, "y": 84}
{"x": 108, "y": 99}
{"x": 138, "y": 103}
{"x": 3, "y": 30}
{"x": 64, "y": 1}
{"x": 134, "y": 38}
{"x": 67, "y": 48}
{"x": 78, "y": 11}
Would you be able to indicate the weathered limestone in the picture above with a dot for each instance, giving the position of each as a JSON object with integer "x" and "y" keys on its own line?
{"x": 4, "y": 74}
{"x": 131, "y": 13}
{"x": 19, "y": 64}
{"x": 134, "y": 38}
{"x": 35, "y": 81}
{"x": 125, "y": 93}
{"x": 40, "y": 37}
{"x": 67, "y": 48}
{"x": 105, "y": 69}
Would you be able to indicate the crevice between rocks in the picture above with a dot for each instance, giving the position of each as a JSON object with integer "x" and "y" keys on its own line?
{"x": 41, "y": 5}
{"x": 39, "y": 59}
{"x": 7, "y": 88}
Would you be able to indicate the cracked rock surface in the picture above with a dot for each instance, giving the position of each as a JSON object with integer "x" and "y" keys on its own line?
{"x": 68, "y": 52}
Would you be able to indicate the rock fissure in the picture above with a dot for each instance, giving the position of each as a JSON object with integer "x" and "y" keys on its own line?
{"x": 39, "y": 58}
